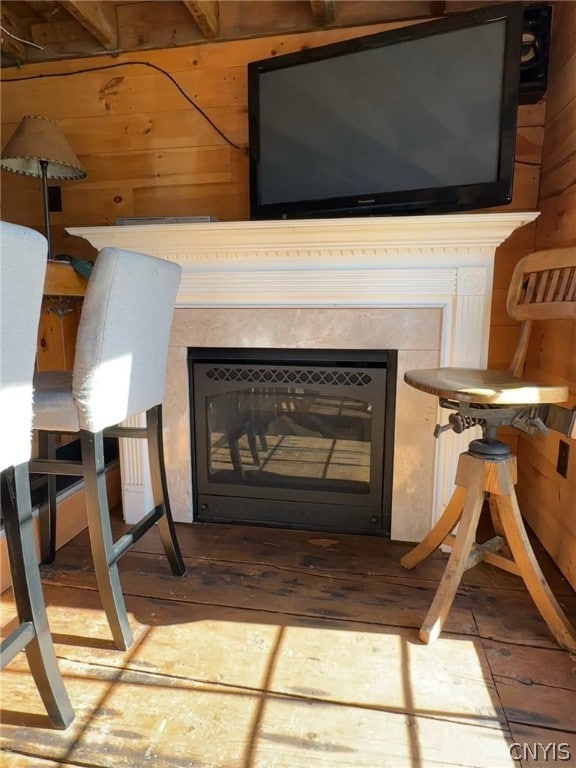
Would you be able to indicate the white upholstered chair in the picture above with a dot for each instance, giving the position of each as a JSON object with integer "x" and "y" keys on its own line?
{"x": 543, "y": 287}
{"x": 119, "y": 371}
{"x": 23, "y": 254}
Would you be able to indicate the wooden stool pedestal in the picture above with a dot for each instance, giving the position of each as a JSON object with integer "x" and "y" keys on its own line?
{"x": 510, "y": 549}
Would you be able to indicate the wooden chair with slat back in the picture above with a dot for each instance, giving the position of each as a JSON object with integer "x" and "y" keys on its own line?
{"x": 543, "y": 287}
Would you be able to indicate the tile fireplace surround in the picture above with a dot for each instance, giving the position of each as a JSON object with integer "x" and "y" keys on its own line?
{"x": 419, "y": 284}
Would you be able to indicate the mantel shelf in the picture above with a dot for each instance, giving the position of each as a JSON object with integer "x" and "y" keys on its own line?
{"x": 448, "y": 230}
{"x": 322, "y": 262}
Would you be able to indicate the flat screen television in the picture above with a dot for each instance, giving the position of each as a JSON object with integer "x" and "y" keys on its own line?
{"x": 415, "y": 120}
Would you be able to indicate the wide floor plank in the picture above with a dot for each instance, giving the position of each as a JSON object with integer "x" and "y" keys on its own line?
{"x": 288, "y": 649}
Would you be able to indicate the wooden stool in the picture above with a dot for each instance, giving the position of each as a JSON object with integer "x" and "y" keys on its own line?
{"x": 543, "y": 287}
{"x": 491, "y": 472}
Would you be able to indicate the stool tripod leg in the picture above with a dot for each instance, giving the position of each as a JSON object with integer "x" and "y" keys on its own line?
{"x": 497, "y": 524}
{"x": 441, "y": 529}
{"x": 523, "y": 555}
{"x": 458, "y": 560}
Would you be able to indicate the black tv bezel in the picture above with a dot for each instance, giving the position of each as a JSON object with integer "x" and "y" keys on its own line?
{"x": 418, "y": 201}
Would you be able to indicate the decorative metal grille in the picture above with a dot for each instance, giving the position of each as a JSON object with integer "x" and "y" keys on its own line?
{"x": 291, "y": 376}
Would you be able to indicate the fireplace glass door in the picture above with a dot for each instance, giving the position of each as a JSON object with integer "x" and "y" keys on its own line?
{"x": 298, "y": 443}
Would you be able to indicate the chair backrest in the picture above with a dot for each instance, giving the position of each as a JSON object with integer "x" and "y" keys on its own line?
{"x": 123, "y": 335}
{"x": 23, "y": 254}
{"x": 543, "y": 287}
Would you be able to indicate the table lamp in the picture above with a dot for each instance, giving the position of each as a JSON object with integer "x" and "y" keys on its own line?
{"x": 39, "y": 148}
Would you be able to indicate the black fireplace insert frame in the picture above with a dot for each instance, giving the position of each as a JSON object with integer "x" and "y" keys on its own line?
{"x": 286, "y": 512}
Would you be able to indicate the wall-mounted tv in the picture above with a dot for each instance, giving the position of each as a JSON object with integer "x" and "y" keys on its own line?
{"x": 414, "y": 120}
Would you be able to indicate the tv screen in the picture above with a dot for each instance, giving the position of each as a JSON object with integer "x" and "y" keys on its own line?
{"x": 415, "y": 120}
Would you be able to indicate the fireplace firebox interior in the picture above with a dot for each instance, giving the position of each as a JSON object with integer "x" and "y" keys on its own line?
{"x": 293, "y": 438}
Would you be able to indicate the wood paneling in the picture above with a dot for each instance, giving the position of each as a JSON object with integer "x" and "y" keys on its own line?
{"x": 547, "y": 499}
{"x": 529, "y": 138}
{"x": 57, "y": 334}
{"x": 148, "y": 152}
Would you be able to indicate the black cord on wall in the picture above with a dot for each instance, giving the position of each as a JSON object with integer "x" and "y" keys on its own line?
{"x": 142, "y": 64}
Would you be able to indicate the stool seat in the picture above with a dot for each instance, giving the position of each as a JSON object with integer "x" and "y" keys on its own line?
{"x": 484, "y": 387}
{"x": 54, "y": 406}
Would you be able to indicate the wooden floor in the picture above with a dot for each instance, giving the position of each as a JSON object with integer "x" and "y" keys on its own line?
{"x": 292, "y": 649}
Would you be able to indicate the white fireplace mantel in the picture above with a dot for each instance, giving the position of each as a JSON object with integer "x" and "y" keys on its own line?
{"x": 394, "y": 263}
{"x": 322, "y": 262}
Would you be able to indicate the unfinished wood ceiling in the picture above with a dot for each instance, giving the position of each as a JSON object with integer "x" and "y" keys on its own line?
{"x": 49, "y": 30}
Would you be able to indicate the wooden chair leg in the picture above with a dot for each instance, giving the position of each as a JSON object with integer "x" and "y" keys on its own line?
{"x": 47, "y": 510}
{"x": 33, "y": 634}
{"x": 530, "y": 570}
{"x": 458, "y": 560}
{"x": 101, "y": 542}
{"x": 160, "y": 490}
{"x": 441, "y": 529}
{"x": 497, "y": 523}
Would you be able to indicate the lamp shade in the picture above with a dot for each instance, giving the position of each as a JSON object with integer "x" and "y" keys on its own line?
{"x": 40, "y": 139}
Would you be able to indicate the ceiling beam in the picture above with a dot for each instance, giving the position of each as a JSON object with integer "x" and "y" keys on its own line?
{"x": 206, "y": 14}
{"x": 13, "y": 25}
{"x": 48, "y": 10}
{"x": 324, "y": 11}
{"x": 98, "y": 17}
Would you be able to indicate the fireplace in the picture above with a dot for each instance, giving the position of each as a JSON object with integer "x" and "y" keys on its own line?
{"x": 293, "y": 438}
{"x": 418, "y": 284}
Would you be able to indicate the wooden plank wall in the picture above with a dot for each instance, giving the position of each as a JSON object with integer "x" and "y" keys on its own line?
{"x": 148, "y": 152}
{"x": 547, "y": 499}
